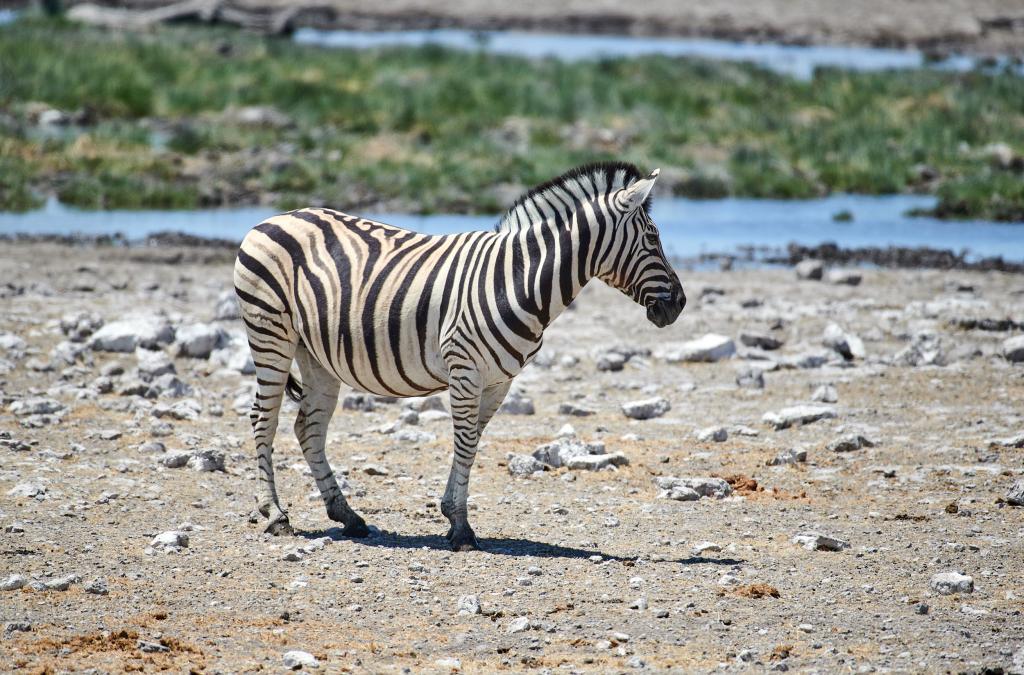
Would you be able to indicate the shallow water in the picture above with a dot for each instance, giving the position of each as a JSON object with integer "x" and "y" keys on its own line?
{"x": 688, "y": 227}
{"x": 795, "y": 60}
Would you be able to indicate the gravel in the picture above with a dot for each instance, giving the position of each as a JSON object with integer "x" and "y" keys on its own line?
{"x": 630, "y": 535}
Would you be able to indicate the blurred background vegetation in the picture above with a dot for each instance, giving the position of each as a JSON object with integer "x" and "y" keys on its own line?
{"x": 188, "y": 116}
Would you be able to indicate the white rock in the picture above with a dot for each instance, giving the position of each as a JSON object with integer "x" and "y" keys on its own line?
{"x": 847, "y": 345}
{"x": 58, "y": 584}
{"x": 469, "y": 604}
{"x": 1015, "y": 495}
{"x": 171, "y": 540}
{"x": 611, "y": 362}
{"x": 826, "y": 393}
{"x": 207, "y": 460}
{"x": 1013, "y": 349}
{"x": 559, "y": 452}
{"x": 524, "y": 465}
{"x": 433, "y": 415}
{"x": 139, "y": 331}
{"x": 175, "y": 460}
{"x": 449, "y": 662}
{"x": 198, "y": 340}
{"x": 31, "y": 490}
{"x": 816, "y": 541}
{"x": 519, "y": 625}
{"x": 36, "y": 406}
{"x": 227, "y": 307}
{"x": 414, "y": 436}
{"x": 713, "y": 434}
{"x": 646, "y": 409}
{"x": 948, "y": 583}
{"x": 849, "y": 443}
{"x": 702, "y": 487}
{"x": 925, "y": 349}
{"x": 748, "y": 377}
{"x": 705, "y": 546}
{"x": 844, "y": 277}
{"x": 711, "y": 347}
{"x": 810, "y": 269}
{"x": 13, "y": 583}
{"x": 233, "y": 353}
{"x": 422, "y": 404}
{"x": 1008, "y": 442}
{"x": 9, "y": 342}
{"x": 790, "y": 456}
{"x": 798, "y": 416}
{"x": 186, "y": 409}
{"x": 760, "y": 340}
{"x": 517, "y": 404}
{"x": 297, "y": 659}
{"x": 153, "y": 363}
{"x": 596, "y": 462}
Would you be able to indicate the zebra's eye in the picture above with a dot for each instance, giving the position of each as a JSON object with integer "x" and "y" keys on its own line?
{"x": 651, "y": 239}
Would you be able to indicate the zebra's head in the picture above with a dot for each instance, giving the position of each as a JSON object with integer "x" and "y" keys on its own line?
{"x": 637, "y": 265}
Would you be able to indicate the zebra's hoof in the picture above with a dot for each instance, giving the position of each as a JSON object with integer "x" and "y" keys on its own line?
{"x": 356, "y": 527}
{"x": 280, "y": 527}
{"x": 464, "y": 540}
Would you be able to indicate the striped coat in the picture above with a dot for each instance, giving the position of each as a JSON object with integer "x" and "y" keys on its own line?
{"x": 394, "y": 312}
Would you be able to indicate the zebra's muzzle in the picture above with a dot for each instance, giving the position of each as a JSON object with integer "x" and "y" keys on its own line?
{"x": 666, "y": 308}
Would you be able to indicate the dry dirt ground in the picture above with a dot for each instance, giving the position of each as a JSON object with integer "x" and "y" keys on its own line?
{"x": 987, "y": 26}
{"x": 603, "y": 571}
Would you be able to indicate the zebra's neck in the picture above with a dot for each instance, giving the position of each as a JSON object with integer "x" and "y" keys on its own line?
{"x": 553, "y": 259}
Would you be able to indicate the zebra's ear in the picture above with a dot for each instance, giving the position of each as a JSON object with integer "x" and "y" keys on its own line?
{"x": 637, "y": 193}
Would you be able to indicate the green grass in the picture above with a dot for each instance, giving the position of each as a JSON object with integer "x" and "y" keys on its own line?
{"x": 427, "y": 129}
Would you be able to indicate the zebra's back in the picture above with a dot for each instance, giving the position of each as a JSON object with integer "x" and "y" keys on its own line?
{"x": 347, "y": 289}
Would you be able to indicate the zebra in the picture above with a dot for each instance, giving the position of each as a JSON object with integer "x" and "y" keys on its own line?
{"x": 398, "y": 313}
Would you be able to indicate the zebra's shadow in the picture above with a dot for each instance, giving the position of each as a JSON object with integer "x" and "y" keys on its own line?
{"x": 495, "y": 546}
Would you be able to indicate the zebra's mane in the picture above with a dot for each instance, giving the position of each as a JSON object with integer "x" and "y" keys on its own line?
{"x": 580, "y": 182}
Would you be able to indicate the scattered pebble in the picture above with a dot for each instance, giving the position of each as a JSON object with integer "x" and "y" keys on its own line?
{"x": 816, "y": 541}
{"x": 798, "y": 416}
{"x": 646, "y": 409}
{"x": 948, "y": 583}
{"x": 296, "y": 660}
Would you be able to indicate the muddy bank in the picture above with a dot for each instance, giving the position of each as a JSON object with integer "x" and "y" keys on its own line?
{"x": 987, "y": 26}
{"x": 898, "y": 257}
{"x": 173, "y": 246}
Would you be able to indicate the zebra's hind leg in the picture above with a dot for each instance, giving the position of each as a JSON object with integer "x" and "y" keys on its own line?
{"x": 271, "y": 376}
{"x": 316, "y": 406}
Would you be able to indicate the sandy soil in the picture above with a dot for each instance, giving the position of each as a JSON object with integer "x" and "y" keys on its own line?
{"x": 987, "y": 26}
{"x": 572, "y": 552}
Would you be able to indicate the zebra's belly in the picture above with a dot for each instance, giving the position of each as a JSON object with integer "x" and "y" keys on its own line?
{"x": 402, "y": 367}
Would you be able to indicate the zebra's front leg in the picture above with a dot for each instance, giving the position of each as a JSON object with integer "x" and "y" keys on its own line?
{"x": 490, "y": 400}
{"x": 465, "y": 392}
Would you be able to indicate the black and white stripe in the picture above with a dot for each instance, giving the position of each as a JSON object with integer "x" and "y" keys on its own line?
{"x": 394, "y": 312}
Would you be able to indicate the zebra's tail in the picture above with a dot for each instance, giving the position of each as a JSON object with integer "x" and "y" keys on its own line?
{"x": 293, "y": 387}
